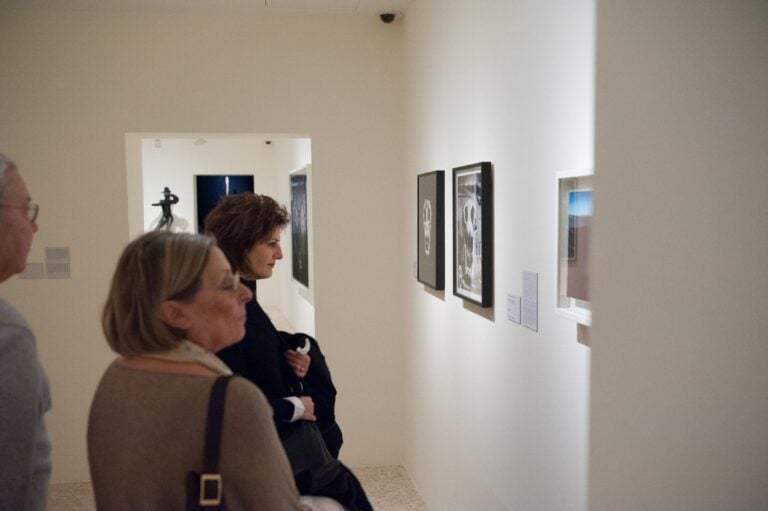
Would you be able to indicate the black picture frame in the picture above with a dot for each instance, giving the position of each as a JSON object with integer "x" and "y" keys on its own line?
{"x": 430, "y": 229}
{"x": 299, "y": 229}
{"x": 210, "y": 188}
{"x": 473, "y": 233}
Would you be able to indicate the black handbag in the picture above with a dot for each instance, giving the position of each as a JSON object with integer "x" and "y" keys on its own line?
{"x": 335, "y": 480}
{"x": 316, "y": 472}
{"x": 205, "y": 491}
{"x": 305, "y": 447}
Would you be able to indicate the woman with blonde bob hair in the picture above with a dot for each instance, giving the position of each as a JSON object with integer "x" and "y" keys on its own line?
{"x": 173, "y": 302}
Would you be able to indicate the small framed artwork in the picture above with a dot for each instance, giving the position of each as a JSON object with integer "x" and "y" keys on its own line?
{"x": 574, "y": 214}
{"x": 473, "y": 233}
{"x": 430, "y": 226}
{"x": 210, "y": 188}
{"x": 299, "y": 232}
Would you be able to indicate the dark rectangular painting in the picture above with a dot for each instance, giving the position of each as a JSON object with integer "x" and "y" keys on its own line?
{"x": 209, "y": 189}
{"x": 473, "y": 233}
{"x": 430, "y": 228}
{"x": 299, "y": 237}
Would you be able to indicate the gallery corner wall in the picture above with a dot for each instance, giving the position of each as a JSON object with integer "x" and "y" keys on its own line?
{"x": 79, "y": 81}
{"x": 679, "y": 413}
{"x": 497, "y": 413}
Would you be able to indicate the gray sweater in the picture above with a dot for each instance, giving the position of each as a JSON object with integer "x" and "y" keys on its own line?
{"x": 25, "y": 451}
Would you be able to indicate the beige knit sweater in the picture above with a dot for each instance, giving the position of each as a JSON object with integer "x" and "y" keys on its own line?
{"x": 146, "y": 430}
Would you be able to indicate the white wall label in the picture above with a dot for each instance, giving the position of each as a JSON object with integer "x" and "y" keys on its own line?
{"x": 530, "y": 305}
{"x": 57, "y": 262}
{"x": 513, "y": 308}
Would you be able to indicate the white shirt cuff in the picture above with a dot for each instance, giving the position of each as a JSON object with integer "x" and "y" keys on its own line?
{"x": 298, "y": 408}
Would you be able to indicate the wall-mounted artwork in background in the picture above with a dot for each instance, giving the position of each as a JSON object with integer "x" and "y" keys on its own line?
{"x": 430, "y": 229}
{"x": 579, "y": 225}
{"x": 473, "y": 233}
{"x": 574, "y": 219}
{"x": 209, "y": 189}
{"x": 299, "y": 235}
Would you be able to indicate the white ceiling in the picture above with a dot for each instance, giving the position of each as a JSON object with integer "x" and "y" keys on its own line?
{"x": 297, "y": 6}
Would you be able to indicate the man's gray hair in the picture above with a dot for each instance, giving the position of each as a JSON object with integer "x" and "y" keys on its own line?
{"x": 5, "y": 163}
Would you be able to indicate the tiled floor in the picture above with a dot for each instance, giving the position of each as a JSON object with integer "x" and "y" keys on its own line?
{"x": 388, "y": 488}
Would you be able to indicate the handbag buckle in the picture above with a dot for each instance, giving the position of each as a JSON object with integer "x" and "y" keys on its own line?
{"x": 210, "y": 489}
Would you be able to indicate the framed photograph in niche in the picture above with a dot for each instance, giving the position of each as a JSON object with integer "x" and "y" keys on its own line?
{"x": 430, "y": 228}
{"x": 571, "y": 238}
{"x": 574, "y": 227}
{"x": 473, "y": 233}
{"x": 210, "y": 188}
{"x": 299, "y": 229}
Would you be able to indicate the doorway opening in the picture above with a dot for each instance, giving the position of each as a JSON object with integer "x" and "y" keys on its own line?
{"x": 181, "y": 163}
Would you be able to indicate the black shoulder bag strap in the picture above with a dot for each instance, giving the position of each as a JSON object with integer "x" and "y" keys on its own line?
{"x": 210, "y": 496}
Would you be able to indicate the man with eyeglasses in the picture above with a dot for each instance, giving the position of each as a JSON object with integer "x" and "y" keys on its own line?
{"x": 25, "y": 451}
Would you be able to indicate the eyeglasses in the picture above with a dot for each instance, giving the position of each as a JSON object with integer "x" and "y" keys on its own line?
{"x": 231, "y": 283}
{"x": 32, "y": 209}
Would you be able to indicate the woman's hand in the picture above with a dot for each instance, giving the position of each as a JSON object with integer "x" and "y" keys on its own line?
{"x": 299, "y": 362}
{"x": 309, "y": 408}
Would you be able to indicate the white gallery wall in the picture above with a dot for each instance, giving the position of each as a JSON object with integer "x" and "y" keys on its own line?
{"x": 74, "y": 83}
{"x": 497, "y": 413}
{"x": 679, "y": 416}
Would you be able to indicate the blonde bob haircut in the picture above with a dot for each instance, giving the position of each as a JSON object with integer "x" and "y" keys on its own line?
{"x": 153, "y": 268}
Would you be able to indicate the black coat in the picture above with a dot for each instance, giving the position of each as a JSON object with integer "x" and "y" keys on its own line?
{"x": 319, "y": 385}
{"x": 259, "y": 358}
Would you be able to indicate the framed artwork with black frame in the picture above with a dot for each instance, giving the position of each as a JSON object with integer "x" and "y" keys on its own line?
{"x": 473, "y": 233}
{"x": 299, "y": 231}
{"x": 430, "y": 226}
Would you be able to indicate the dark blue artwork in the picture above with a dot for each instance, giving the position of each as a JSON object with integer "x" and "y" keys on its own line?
{"x": 209, "y": 189}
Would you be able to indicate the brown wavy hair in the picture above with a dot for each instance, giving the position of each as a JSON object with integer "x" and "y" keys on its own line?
{"x": 238, "y": 222}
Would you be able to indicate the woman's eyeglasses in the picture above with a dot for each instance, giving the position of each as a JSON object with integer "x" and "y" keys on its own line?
{"x": 231, "y": 283}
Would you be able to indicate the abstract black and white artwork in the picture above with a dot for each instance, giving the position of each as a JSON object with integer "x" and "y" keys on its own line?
{"x": 473, "y": 233}
{"x": 299, "y": 233}
{"x": 209, "y": 189}
{"x": 430, "y": 229}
